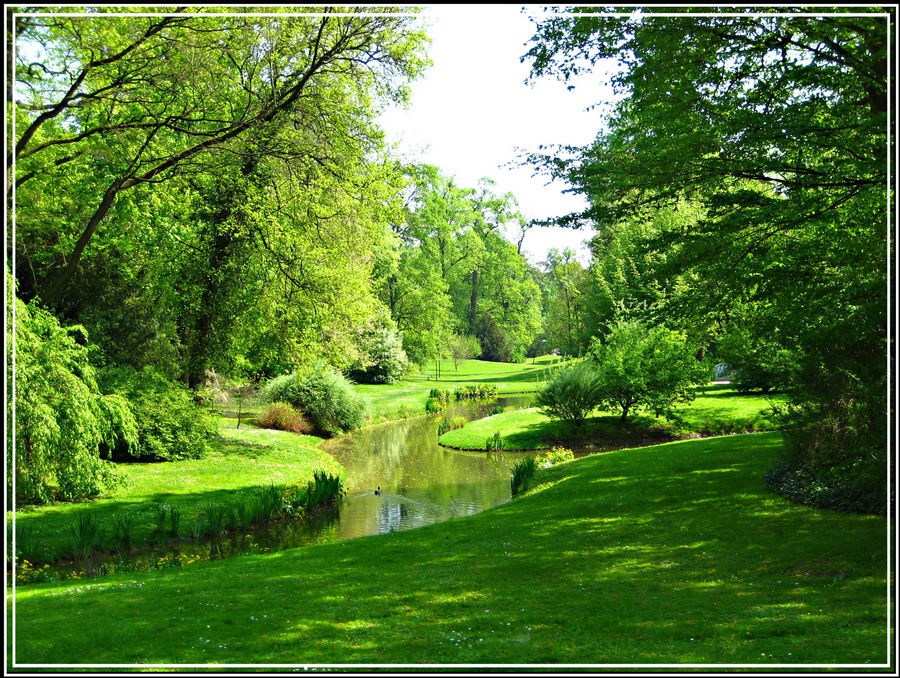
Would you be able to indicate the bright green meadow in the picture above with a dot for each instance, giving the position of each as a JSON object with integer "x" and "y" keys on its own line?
{"x": 717, "y": 409}
{"x": 241, "y": 460}
{"x": 674, "y": 553}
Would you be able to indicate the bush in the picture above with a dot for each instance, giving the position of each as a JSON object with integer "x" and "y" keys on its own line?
{"x": 62, "y": 418}
{"x": 758, "y": 364}
{"x": 385, "y": 361}
{"x": 555, "y": 456}
{"x": 283, "y": 417}
{"x": 572, "y": 393}
{"x": 170, "y": 425}
{"x": 475, "y": 392}
{"x": 324, "y": 396}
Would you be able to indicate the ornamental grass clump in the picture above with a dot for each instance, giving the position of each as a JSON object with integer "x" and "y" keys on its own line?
{"x": 86, "y": 535}
{"x": 123, "y": 530}
{"x": 572, "y": 393}
{"x": 521, "y": 474}
{"x": 283, "y": 417}
{"x": 494, "y": 442}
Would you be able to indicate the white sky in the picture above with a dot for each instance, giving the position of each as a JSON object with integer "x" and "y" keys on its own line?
{"x": 471, "y": 114}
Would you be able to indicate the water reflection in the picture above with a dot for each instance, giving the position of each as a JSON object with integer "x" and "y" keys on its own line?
{"x": 421, "y": 483}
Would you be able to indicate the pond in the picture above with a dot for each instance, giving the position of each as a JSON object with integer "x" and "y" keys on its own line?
{"x": 418, "y": 482}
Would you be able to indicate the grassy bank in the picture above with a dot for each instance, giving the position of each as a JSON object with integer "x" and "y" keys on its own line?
{"x": 717, "y": 409}
{"x": 241, "y": 460}
{"x": 667, "y": 554}
{"x": 409, "y": 395}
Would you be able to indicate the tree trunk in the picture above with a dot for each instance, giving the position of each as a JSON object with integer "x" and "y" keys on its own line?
{"x": 473, "y": 303}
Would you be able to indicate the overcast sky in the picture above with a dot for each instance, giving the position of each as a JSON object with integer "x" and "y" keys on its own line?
{"x": 472, "y": 114}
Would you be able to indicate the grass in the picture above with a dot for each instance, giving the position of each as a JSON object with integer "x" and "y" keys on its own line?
{"x": 716, "y": 409}
{"x": 668, "y": 554}
{"x": 408, "y": 396}
{"x": 241, "y": 461}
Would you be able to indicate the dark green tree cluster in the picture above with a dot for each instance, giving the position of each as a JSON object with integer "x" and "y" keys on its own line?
{"x": 739, "y": 193}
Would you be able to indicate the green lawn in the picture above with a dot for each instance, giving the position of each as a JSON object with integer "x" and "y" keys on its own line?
{"x": 241, "y": 460}
{"x": 716, "y": 409}
{"x": 388, "y": 400}
{"x": 668, "y": 554}
{"x": 407, "y": 397}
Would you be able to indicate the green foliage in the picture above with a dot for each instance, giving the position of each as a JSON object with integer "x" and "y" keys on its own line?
{"x": 555, "y": 456}
{"x": 123, "y": 530}
{"x": 433, "y": 405}
{"x": 324, "y": 396}
{"x": 522, "y": 472}
{"x": 494, "y": 442}
{"x": 384, "y": 360}
{"x": 283, "y": 417}
{"x": 445, "y": 424}
{"x": 62, "y": 419}
{"x": 646, "y": 367}
{"x": 761, "y": 122}
{"x": 475, "y": 392}
{"x": 323, "y": 489}
{"x": 170, "y": 425}
{"x": 28, "y": 547}
{"x": 758, "y": 363}
{"x": 86, "y": 535}
{"x": 572, "y": 393}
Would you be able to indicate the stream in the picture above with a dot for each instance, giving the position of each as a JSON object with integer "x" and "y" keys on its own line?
{"x": 398, "y": 478}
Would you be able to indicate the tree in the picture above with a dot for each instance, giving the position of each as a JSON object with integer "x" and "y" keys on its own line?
{"x": 62, "y": 418}
{"x": 565, "y": 307}
{"x": 116, "y": 105}
{"x": 646, "y": 367}
{"x": 776, "y": 126}
{"x": 463, "y": 347}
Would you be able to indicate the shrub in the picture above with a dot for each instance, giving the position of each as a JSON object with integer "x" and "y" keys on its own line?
{"x": 170, "y": 425}
{"x": 441, "y": 394}
{"x": 475, "y": 392}
{"x": 323, "y": 395}
{"x": 283, "y": 417}
{"x": 497, "y": 409}
{"x": 572, "y": 393}
{"x": 62, "y": 417}
{"x": 555, "y": 456}
{"x": 758, "y": 363}
{"x": 521, "y": 474}
{"x": 433, "y": 405}
{"x": 385, "y": 361}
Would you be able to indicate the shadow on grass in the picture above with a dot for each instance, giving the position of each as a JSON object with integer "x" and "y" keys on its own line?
{"x": 674, "y": 554}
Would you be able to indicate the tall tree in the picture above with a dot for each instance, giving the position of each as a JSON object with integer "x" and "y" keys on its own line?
{"x": 112, "y": 105}
{"x": 712, "y": 107}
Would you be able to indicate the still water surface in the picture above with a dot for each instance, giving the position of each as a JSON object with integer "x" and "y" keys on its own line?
{"x": 418, "y": 483}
